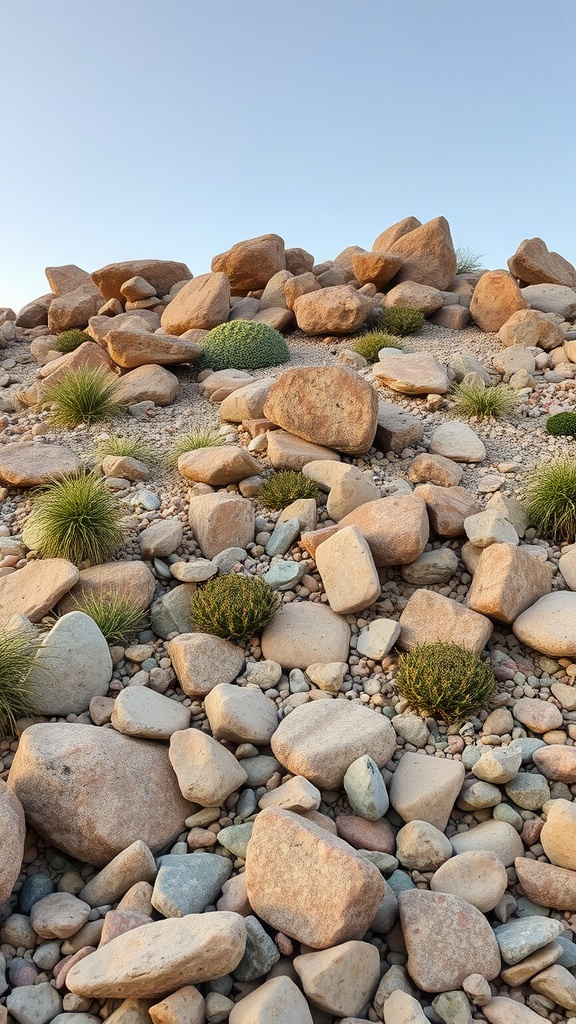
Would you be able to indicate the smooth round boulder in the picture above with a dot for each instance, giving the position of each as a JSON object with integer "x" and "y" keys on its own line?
{"x": 558, "y": 836}
{"x": 548, "y": 625}
{"x": 13, "y": 834}
{"x": 479, "y": 877}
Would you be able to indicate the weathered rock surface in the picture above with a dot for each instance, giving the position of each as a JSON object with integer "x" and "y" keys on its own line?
{"x": 501, "y": 1010}
{"x": 528, "y": 327}
{"x": 13, "y": 833}
{"x": 348, "y": 573}
{"x": 412, "y": 374}
{"x": 499, "y": 837}
{"x": 277, "y": 1001}
{"x": 507, "y": 580}
{"x": 247, "y": 402}
{"x": 221, "y": 521}
{"x": 240, "y": 715}
{"x": 548, "y": 625}
{"x": 396, "y": 528}
{"x": 132, "y": 580}
{"x": 557, "y": 762}
{"x": 202, "y": 661}
{"x": 302, "y": 634}
{"x": 250, "y": 264}
{"x": 140, "y": 711}
{"x": 457, "y": 441}
{"x": 201, "y": 304}
{"x": 218, "y": 466}
{"x": 206, "y": 771}
{"x": 160, "y": 274}
{"x": 36, "y": 588}
{"x": 496, "y": 297}
{"x": 341, "y": 980}
{"x": 339, "y": 309}
{"x": 447, "y": 507}
{"x": 30, "y": 464}
{"x": 286, "y": 451}
{"x": 533, "y": 263}
{"x": 425, "y": 789}
{"x": 558, "y": 836}
{"x": 429, "y": 617}
{"x": 427, "y": 252}
{"x": 546, "y": 884}
{"x": 148, "y": 383}
{"x": 72, "y": 666}
{"x": 129, "y": 349}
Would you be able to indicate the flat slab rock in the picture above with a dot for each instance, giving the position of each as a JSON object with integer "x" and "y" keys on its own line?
{"x": 36, "y": 588}
{"x": 304, "y": 634}
{"x": 29, "y": 464}
{"x": 132, "y": 580}
{"x": 414, "y": 374}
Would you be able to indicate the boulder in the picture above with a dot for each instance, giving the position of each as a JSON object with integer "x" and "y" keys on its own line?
{"x": 396, "y": 528}
{"x": 352, "y": 488}
{"x": 35, "y": 313}
{"x": 419, "y": 296}
{"x": 302, "y": 634}
{"x": 13, "y": 833}
{"x": 277, "y": 1001}
{"x": 436, "y": 566}
{"x": 496, "y": 297}
{"x": 32, "y": 463}
{"x": 435, "y": 469}
{"x": 430, "y": 618}
{"x": 528, "y": 327}
{"x": 240, "y": 715}
{"x": 207, "y": 772}
{"x": 36, "y": 588}
{"x": 201, "y": 304}
{"x": 397, "y": 428}
{"x": 507, "y": 580}
{"x": 546, "y": 884}
{"x": 557, "y": 762}
{"x": 559, "y": 834}
{"x": 417, "y": 373}
{"x": 548, "y": 625}
{"x": 247, "y": 402}
{"x": 87, "y": 354}
{"x": 202, "y": 661}
{"x": 501, "y": 1010}
{"x": 130, "y": 349}
{"x": 390, "y": 235}
{"x": 142, "y": 712}
{"x": 219, "y": 465}
{"x": 447, "y": 507}
{"x": 132, "y": 580}
{"x": 457, "y": 441}
{"x": 300, "y": 285}
{"x": 160, "y": 274}
{"x": 533, "y": 263}
{"x": 376, "y": 267}
{"x": 330, "y": 406}
{"x": 348, "y": 573}
{"x": 286, "y": 451}
{"x": 148, "y": 383}
{"x": 498, "y": 837}
{"x": 338, "y": 309}
{"x": 427, "y": 252}
{"x": 72, "y": 666}
{"x": 250, "y": 264}
{"x": 552, "y": 298}
{"x": 104, "y": 790}
{"x": 74, "y": 308}
{"x": 220, "y": 521}
{"x": 425, "y": 789}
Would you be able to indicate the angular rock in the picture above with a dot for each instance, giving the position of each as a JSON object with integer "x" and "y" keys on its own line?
{"x": 334, "y": 310}
{"x": 72, "y": 666}
{"x": 30, "y": 464}
{"x": 507, "y": 580}
{"x": 161, "y": 275}
{"x": 341, "y": 980}
{"x": 348, "y": 573}
{"x": 221, "y": 521}
{"x": 36, "y": 588}
{"x": 376, "y": 267}
{"x": 365, "y": 835}
{"x": 427, "y": 252}
{"x": 246, "y": 402}
{"x": 478, "y": 876}
{"x": 202, "y": 661}
{"x": 132, "y": 580}
{"x": 34, "y": 1004}
{"x": 188, "y": 884}
{"x": 186, "y": 1004}
{"x": 418, "y": 296}
{"x": 412, "y": 374}
{"x": 366, "y": 790}
{"x": 13, "y": 832}
{"x": 437, "y": 566}
{"x": 286, "y": 451}
{"x": 277, "y": 1001}
{"x": 396, "y": 528}
{"x": 430, "y": 618}
{"x": 498, "y": 765}
{"x": 435, "y": 469}
{"x": 353, "y": 488}
{"x": 537, "y": 961}
{"x": 149, "y": 383}
{"x": 74, "y": 308}
{"x": 425, "y": 789}
{"x": 457, "y": 441}
{"x": 548, "y": 625}
{"x": 130, "y": 349}
{"x": 496, "y": 297}
{"x": 139, "y": 711}
{"x": 390, "y": 235}
{"x": 378, "y": 638}
{"x": 296, "y": 795}
{"x": 401, "y": 1008}
{"x": 302, "y": 634}
{"x": 501, "y": 1010}
{"x": 201, "y": 304}
{"x": 397, "y": 428}
{"x": 447, "y": 507}
{"x": 219, "y": 466}
{"x": 532, "y": 263}
{"x": 250, "y": 264}
{"x": 240, "y": 715}
{"x": 422, "y": 846}
{"x": 207, "y": 772}
{"x": 520, "y": 937}
{"x": 528, "y": 327}
{"x": 134, "y": 864}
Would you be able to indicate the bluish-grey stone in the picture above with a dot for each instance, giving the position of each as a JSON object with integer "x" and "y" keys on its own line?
{"x": 453, "y": 1008}
{"x": 527, "y": 745}
{"x": 298, "y": 682}
{"x": 284, "y": 575}
{"x": 366, "y": 789}
{"x": 172, "y": 613}
{"x": 520, "y": 937}
{"x": 148, "y": 500}
{"x": 260, "y": 955}
{"x": 188, "y": 883}
{"x": 568, "y": 958}
{"x": 235, "y": 838}
{"x": 247, "y": 803}
{"x": 400, "y": 881}
{"x": 385, "y": 862}
{"x": 35, "y": 888}
{"x": 470, "y": 755}
{"x": 260, "y": 769}
{"x": 34, "y": 1004}
{"x": 227, "y": 559}
{"x": 525, "y": 908}
{"x": 283, "y": 537}
{"x": 528, "y": 790}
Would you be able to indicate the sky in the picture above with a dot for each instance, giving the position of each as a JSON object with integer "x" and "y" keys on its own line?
{"x": 135, "y": 129}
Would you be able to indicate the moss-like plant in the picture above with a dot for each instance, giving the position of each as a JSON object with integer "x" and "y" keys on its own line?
{"x": 475, "y": 399}
{"x": 127, "y": 446}
{"x": 117, "y": 616}
{"x": 468, "y": 261}
{"x": 444, "y": 680}
{"x": 370, "y": 344}
{"x": 243, "y": 345}
{"x": 17, "y": 650}
{"x": 189, "y": 442}
{"x": 69, "y": 341}
{"x": 563, "y": 424}
{"x": 551, "y": 500}
{"x": 233, "y": 606}
{"x": 76, "y": 518}
{"x": 285, "y": 487}
{"x": 401, "y": 320}
{"x": 85, "y": 395}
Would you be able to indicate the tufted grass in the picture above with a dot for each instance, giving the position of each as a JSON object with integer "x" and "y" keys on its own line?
{"x": 189, "y": 442}
{"x": 550, "y": 498}
{"x": 17, "y": 651}
{"x": 495, "y": 400}
{"x": 117, "y": 616}
{"x": 77, "y": 518}
{"x": 85, "y": 395}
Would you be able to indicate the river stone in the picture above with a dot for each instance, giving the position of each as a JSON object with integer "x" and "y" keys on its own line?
{"x": 501, "y": 1010}
{"x": 139, "y": 711}
{"x": 325, "y": 894}
{"x": 546, "y": 884}
{"x": 448, "y": 508}
{"x": 246, "y": 403}
{"x": 207, "y": 772}
{"x": 132, "y": 580}
{"x": 30, "y": 463}
{"x": 58, "y": 915}
{"x": 133, "y": 865}
{"x": 537, "y": 961}
{"x": 240, "y": 715}
{"x": 172, "y": 613}
{"x": 479, "y": 877}
{"x": 528, "y": 790}
{"x": 186, "y": 1004}
{"x": 436, "y": 566}
{"x": 347, "y": 570}
{"x": 425, "y": 788}
{"x": 303, "y": 634}
{"x": 36, "y": 588}
{"x": 366, "y": 789}
{"x": 537, "y": 715}
{"x": 160, "y": 957}
{"x": 396, "y": 528}
{"x": 13, "y": 833}
{"x": 277, "y": 1001}
{"x": 402, "y": 1008}
{"x": 160, "y": 538}
{"x": 378, "y": 638}
{"x": 548, "y": 625}
{"x": 296, "y": 795}
{"x": 557, "y": 984}
{"x": 498, "y": 765}
{"x": 467, "y": 948}
{"x": 557, "y": 763}
{"x": 521, "y": 936}
{"x": 261, "y": 952}
{"x": 320, "y": 740}
{"x": 365, "y": 835}
{"x": 188, "y": 883}
{"x": 430, "y": 617}
{"x": 220, "y": 521}
{"x": 330, "y": 406}
{"x": 456, "y": 440}
{"x": 104, "y": 790}
{"x": 421, "y": 846}
{"x": 417, "y": 373}
{"x": 558, "y": 836}
{"x": 341, "y": 980}
{"x": 499, "y": 837}
{"x": 202, "y": 661}
{"x": 218, "y": 465}
{"x": 72, "y": 666}
{"x": 33, "y": 1004}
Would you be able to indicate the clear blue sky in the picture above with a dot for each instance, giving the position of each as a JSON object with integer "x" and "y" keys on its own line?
{"x": 173, "y": 129}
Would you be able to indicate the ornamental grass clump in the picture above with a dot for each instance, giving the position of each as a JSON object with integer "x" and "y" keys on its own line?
{"x": 563, "y": 424}
{"x": 285, "y": 487}
{"x": 369, "y": 344}
{"x": 189, "y": 442}
{"x": 17, "y": 651}
{"x": 233, "y": 607}
{"x": 401, "y": 320}
{"x": 550, "y": 498}
{"x": 468, "y": 261}
{"x": 76, "y": 518}
{"x": 117, "y": 616}
{"x": 85, "y": 395}
{"x": 474, "y": 398}
{"x": 444, "y": 681}
{"x": 69, "y": 341}
{"x": 126, "y": 446}
{"x": 243, "y": 345}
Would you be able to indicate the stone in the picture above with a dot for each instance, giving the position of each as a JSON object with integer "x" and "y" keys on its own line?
{"x": 366, "y": 789}
{"x": 34, "y": 1004}
{"x": 490, "y": 527}
{"x": 537, "y": 715}
{"x": 453, "y": 1007}
{"x": 454, "y": 317}
{"x": 124, "y": 468}
{"x": 435, "y": 469}
{"x": 507, "y": 581}
{"x": 161, "y": 275}
{"x": 104, "y": 790}
{"x": 139, "y": 711}
{"x": 411, "y": 728}
{"x": 529, "y": 328}
{"x": 390, "y": 235}
{"x": 201, "y": 304}
{"x": 352, "y": 489}
{"x": 567, "y": 567}
{"x": 221, "y": 521}
{"x": 197, "y": 570}
{"x": 501, "y": 1010}
{"x": 537, "y": 961}
{"x": 429, "y": 617}
{"x": 328, "y": 677}
{"x": 552, "y": 298}
{"x": 172, "y": 613}
{"x": 218, "y": 466}
{"x": 558, "y": 984}
{"x": 339, "y": 309}
{"x": 130, "y": 349}
{"x": 514, "y": 359}
{"x": 377, "y": 639}
{"x": 348, "y": 573}
{"x": 277, "y": 1001}
{"x": 396, "y": 528}
{"x": 132, "y": 580}
{"x": 417, "y": 373}
{"x": 557, "y": 835}
{"x": 301, "y": 634}
{"x": 425, "y": 789}
{"x": 326, "y": 893}
{"x": 72, "y": 665}
{"x": 427, "y": 252}
{"x": 13, "y": 833}
{"x": 498, "y": 837}
{"x": 532, "y": 263}
{"x": 498, "y": 765}
{"x": 74, "y": 308}
{"x": 156, "y": 958}
{"x": 188, "y": 884}
{"x": 133, "y": 865}
{"x": 250, "y": 264}
{"x": 240, "y": 715}
{"x": 496, "y": 297}
{"x": 36, "y": 588}
{"x": 448, "y": 507}
{"x": 299, "y": 285}
{"x": 202, "y": 661}
{"x": 321, "y": 739}
{"x": 66, "y": 278}
{"x": 397, "y": 428}
{"x": 520, "y": 937}
{"x": 402, "y": 1008}
{"x": 331, "y": 406}
{"x": 546, "y": 884}
{"x": 376, "y": 267}
{"x": 286, "y": 451}
{"x": 341, "y": 980}
{"x": 59, "y": 915}
{"x": 421, "y": 846}
{"x": 260, "y": 955}
{"x": 185, "y": 1006}
{"x": 148, "y": 383}
{"x": 547, "y": 626}
{"x": 436, "y": 566}
{"x": 246, "y": 402}
{"x": 161, "y": 538}
{"x": 557, "y": 763}
{"x": 31, "y": 464}
{"x": 418, "y": 296}
{"x": 443, "y": 967}
{"x": 457, "y": 441}
{"x": 478, "y": 876}
{"x": 207, "y": 772}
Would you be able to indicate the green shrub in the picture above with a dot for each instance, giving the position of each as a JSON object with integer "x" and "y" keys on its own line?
{"x": 551, "y": 500}
{"x": 127, "y": 446}
{"x": 233, "y": 606}
{"x": 468, "y": 261}
{"x": 190, "y": 442}
{"x": 475, "y": 399}
{"x": 69, "y": 341}
{"x": 85, "y": 395}
{"x": 285, "y": 487}
{"x": 17, "y": 652}
{"x": 401, "y": 320}
{"x": 563, "y": 424}
{"x": 117, "y": 616}
{"x": 444, "y": 680}
{"x": 370, "y": 344}
{"x": 243, "y": 345}
{"x": 76, "y": 518}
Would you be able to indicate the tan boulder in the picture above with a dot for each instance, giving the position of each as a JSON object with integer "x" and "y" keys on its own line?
{"x": 218, "y": 466}
{"x": 104, "y": 790}
{"x": 13, "y": 832}
{"x": 396, "y": 528}
{"x": 67, "y": 278}
{"x": 328, "y": 405}
{"x": 501, "y": 1010}
{"x": 419, "y": 296}
{"x": 201, "y": 304}
{"x": 302, "y": 284}
{"x": 278, "y": 317}
{"x": 529, "y": 327}
{"x": 430, "y": 618}
{"x": 87, "y": 354}
{"x": 207, "y": 772}
{"x": 507, "y": 580}
{"x": 427, "y": 253}
{"x": 341, "y": 980}
{"x": 129, "y": 349}
{"x": 454, "y": 317}
{"x": 160, "y": 957}
{"x": 298, "y": 261}
{"x": 390, "y": 235}
{"x": 184, "y": 1005}
{"x": 132, "y": 580}
{"x": 247, "y": 402}
{"x": 339, "y": 309}
{"x": 133, "y": 865}
{"x": 533, "y": 263}
{"x": 548, "y": 625}
{"x": 497, "y": 837}
{"x": 250, "y": 264}
{"x": 417, "y": 373}
{"x": 425, "y": 789}
{"x": 496, "y": 297}
{"x": 221, "y": 520}
{"x": 478, "y": 876}
{"x": 36, "y": 588}
{"x": 277, "y": 1001}
{"x": 74, "y": 308}
{"x": 447, "y": 507}
{"x": 435, "y": 469}
{"x": 353, "y": 488}
{"x": 456, "y": 440}
{"x": 273, "y": 296}
{"x": 286, "y": 451}
{"x": 376, "y": 267}
{"x": 240, "y": 715}
{"x": 325, "y": 894}
{"x": 348, "y": 573}
{"x": 546, "y": 884}
{"x": 557, "y": 762}
{"x": 148, "y": 383}
{"x": 30, "y": 463}
{"x": 35, "y": 313}
{"x": 558, "y": 836}
{"x": 302, "y": 634}
{"x": 202, "y": 661}
{"x": 160, "y": 274}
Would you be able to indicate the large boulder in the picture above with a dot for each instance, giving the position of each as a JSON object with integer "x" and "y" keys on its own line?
{"x": 250, "y": 264}
{"x": 72, "y": 666}
{"x": 74, "y": 308}
{"x": 104, "y": 790}
{"x": 376, "y": 267}
{"x": 201, "y": 304}
{"x": 533, "y": 263}
{"x": 12, "y": 836}
{"x": 131, "y": 580}
{"x": 30, "y": 463}
{"x": 391, "y": 234}
{"x": 339, "y": 309}
{"x": 548, "y": 625}
{"x": 529, "y": 327}
{"x": 428, "y": 255}
{"x": 130, "y": 349}
{"x": 328, "y": 405}
{"x": 66, "y": 278}
{"x": 161, "y": 274}
{"x": 432, "y": 618}
{"x": 35, "y": 313}
{"x": 496, "y": 297}
{"x": 147, "y": 383}
{"x": 414, "y": 373}
{"x": 419, "y": 296}
{"x": 396, "y": 528}
{"x": 305, "y": 633}
{"x": 507, "y": 580}
{"x": 551, "y": 298}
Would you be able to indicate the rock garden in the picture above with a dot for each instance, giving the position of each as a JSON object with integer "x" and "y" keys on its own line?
{"x": 288, "y": 639}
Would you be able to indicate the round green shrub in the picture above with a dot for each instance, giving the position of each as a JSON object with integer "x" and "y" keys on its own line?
{"x": 370, "y": 344}
{"x": 285, "y": 487}
{"x": 563, "y": 424}
{"x": 233, "y": 607}
{"x": 243, "y": 345}
{"x": 444, "y": 680}
{"x": 68, "y": 341}
{"x": 401, "y": 320}
{"x": 551, "y": 500}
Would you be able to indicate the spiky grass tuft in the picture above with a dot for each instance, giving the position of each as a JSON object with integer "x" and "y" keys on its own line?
{"x": 77, "y": 518}
{"x": 475, "y": 399}
{"x": 127, "y": 446}
{"x": 401, "y": 321}
{"x": 233, "y": 606}
{"x": 551, "y": 500}
{"x": 444, "y": 680}
{"x": 190, "y": 442}
{"x": 17, "y": 651}
{"x": 468, "y": 261}
{"x": 370, "y": 344}
{"x": 117, "y": 616}
{"x": 285, "y": 487}
{"x": 69, "y": 341}
{"x": 86, "y": 395}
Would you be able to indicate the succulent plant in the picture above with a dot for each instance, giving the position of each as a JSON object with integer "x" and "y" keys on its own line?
{"x": 243, "y": 345}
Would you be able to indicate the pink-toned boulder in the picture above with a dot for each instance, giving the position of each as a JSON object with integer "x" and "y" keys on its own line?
{"x": 36, "y": 589}
{"x": 533, "y": 263}
{"x": 201, "y": 304}
{"x": 250, "y": 264}
{"x": 396, "y": 528}
{"x": 161, "y": 274}
{"x": 130, "y": 349}
{"x": 339, "y": 309}
{"x": 375, "y": 267}
{"x": 507, "y": 580}
{"x": 428, "y": 254}
{"x": 221, "y": 520}
{"x": 496, "y": 297}
{"x": 429, "y": 618}
{"x": 546, "y": 884}
{"x": 67, "y": 278}
{"x": 411, "y": 293}
{"x": 390, "y": 235}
